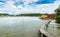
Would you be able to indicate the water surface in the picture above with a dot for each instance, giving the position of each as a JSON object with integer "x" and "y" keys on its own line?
{"x": 52, "y": 29}
{"x": 20, "y": 26}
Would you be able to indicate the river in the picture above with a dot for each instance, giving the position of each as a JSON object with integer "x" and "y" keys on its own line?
{"x": 20, "y": 26}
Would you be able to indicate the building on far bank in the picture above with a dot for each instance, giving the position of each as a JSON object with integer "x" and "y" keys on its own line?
{"x": 49, "y": 16}
{"x": 43, "y": 16}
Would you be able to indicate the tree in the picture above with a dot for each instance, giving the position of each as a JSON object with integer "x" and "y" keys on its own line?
{"x": 57, "y": 15}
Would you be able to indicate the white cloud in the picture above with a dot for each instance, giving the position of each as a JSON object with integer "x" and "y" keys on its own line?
{"x": 44, "y": 8}
{"x": 1, "y": 3}
{"x": 20, "y": 7}
{"x": 31, "y": 0}
{"x": 10, "y": 8}
{"x": 16, "y": 0}
{"x": 26, "y": 2}
{"x": 49, "y": 8}
{"x": 34, "y": 0}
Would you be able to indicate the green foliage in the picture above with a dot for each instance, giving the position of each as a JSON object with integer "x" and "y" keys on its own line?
{"x": 3, "y": 14}
{"x": 57, "y": 15}
{"x": 32, "y": 14}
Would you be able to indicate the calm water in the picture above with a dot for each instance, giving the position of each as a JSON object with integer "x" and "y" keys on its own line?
{"x": 20, "y": 26}
{"x": 52, "y": 29}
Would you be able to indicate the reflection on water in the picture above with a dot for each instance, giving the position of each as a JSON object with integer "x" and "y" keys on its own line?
{"x": 52, "y": 29}
{"x": 20, "y": 26}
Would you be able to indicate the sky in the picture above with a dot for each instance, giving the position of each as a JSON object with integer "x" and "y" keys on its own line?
{"x": 28, "y": 6}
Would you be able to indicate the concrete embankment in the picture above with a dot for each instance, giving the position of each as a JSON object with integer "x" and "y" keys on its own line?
{"x": 43, "y": 30}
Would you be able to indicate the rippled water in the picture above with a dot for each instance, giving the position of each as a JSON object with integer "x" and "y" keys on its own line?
{"x": 20, "y": 26}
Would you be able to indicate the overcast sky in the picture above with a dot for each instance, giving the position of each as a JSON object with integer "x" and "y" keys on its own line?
{"x": 28, "y": 6}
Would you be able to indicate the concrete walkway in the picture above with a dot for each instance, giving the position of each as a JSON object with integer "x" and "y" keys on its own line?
{"x": 46, "y": 32}
{"x": 42, "y": 28}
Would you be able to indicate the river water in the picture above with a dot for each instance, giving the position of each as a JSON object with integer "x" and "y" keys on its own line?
{"x": 20, "y": 26}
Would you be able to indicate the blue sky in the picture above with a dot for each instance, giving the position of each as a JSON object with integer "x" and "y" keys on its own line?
{"x": 28, "y": 6}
